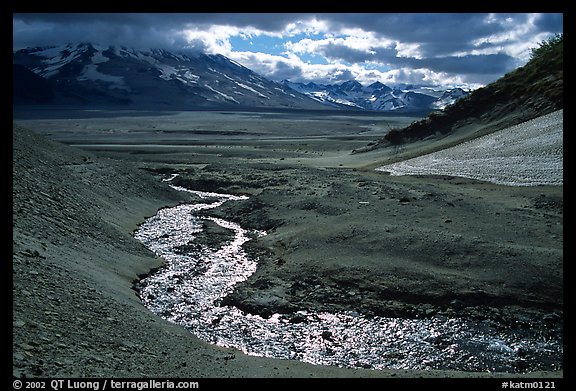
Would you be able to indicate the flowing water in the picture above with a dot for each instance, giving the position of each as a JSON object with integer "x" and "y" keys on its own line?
{"x": 189, "y": 290}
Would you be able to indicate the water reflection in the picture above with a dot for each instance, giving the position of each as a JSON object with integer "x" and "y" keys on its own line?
{"x": 189, "y": 289}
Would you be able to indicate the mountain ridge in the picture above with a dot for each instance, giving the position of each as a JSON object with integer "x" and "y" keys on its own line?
{"x": 379, "y": 97}
{"x": 525, "y": 93}
{"x": 89, "y": 74}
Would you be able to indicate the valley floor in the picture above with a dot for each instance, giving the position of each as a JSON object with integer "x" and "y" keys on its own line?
{"x": 340, "y": 236}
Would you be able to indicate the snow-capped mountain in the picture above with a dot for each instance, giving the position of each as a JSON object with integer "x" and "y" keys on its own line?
{"x": 91, "y": 74}
{"x": 378, "y": 96}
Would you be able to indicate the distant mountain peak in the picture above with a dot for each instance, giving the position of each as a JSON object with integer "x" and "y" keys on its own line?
{"x": 377, "y": 85}
{"x": 351, "y": 85}
{"x": 378, "y": 96}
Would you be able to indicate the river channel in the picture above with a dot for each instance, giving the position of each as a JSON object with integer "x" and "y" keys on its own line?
{"x": 189, "y": 290}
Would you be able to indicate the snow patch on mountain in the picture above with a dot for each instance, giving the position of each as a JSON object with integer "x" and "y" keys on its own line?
{"x": 99, "y": 58}
{"x": 251, "y": 89}
{"x": 228, "y": 97}
{"x": 378, "y": 96}
{"x": 90, "y": 72}
{"x": 85, "y": 73}
{"x": 527, "y": 154}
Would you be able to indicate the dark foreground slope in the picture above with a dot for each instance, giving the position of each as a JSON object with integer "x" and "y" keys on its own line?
{"x": 339, "y": 239}
{"x": 74, "y": 260}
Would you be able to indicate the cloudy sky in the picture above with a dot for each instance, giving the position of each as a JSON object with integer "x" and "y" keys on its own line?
{"x": 458, "y": 49}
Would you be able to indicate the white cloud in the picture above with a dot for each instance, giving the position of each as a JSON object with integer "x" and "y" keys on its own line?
{"x": 275, "y": 66}
{"x": 364, "y": 55}
{"x": 421, "y": 48}
{"x": 355, "y": 39}
{"x": 409, "y": 50}
{"x": 309, "y": 26}
{"x": 216, "y": 38}
{"x": 293, "y": 68}
{"x": 516, "y": 40}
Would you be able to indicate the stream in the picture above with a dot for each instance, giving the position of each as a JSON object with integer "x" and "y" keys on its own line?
{"x": 189, "y": 289}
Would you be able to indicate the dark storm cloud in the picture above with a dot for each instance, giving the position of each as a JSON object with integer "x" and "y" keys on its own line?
{"x": 443, "y": 41}
{"x": 286, "y": 71}
{"x": 134, "y": 28}
{"x": 137, "y": 30}
{"x": 442, "y": 34}
{"x": 474, "y": 64}
{"x": 469, "y": 64}
{"x": 437, "y": 34}
{"x": 335, "y": 51}
{"x": 549, "y": 22}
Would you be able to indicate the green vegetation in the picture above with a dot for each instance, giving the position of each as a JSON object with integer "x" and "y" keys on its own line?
{"x": 547, "y": 47}
{"x": 528, "y": 92}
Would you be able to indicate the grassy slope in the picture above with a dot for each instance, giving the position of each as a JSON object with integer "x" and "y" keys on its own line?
{"x": 528, "y": 92}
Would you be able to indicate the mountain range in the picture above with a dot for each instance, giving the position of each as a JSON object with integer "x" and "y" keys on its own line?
{"x": 528, "y": 92}
{"x": 378, "y": 96}
{"x": 89, "y": 74}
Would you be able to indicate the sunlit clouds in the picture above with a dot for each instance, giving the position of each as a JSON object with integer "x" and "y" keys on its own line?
{"x": 467, "y": 50}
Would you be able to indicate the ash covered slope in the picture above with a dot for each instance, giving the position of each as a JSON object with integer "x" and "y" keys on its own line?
{"x": 86, "y": 73}
{"x": 527, "y": 154}
{"x": 531, "y": 91}
{"x": 73, "y": 256}
{"x": 74, "y": 259}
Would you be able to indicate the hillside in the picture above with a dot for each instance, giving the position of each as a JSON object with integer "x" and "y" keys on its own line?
{"x": 29, "y": 88}
{"x": 528, "y": 92}
{"x": 74, "y": 261}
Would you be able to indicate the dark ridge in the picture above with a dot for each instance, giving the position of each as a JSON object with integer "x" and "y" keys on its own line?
{"x": 528, "y": 92}
{"x": 29, "y": 88}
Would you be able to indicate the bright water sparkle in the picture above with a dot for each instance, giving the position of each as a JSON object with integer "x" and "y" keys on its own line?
{"x": 189, "y": 289}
